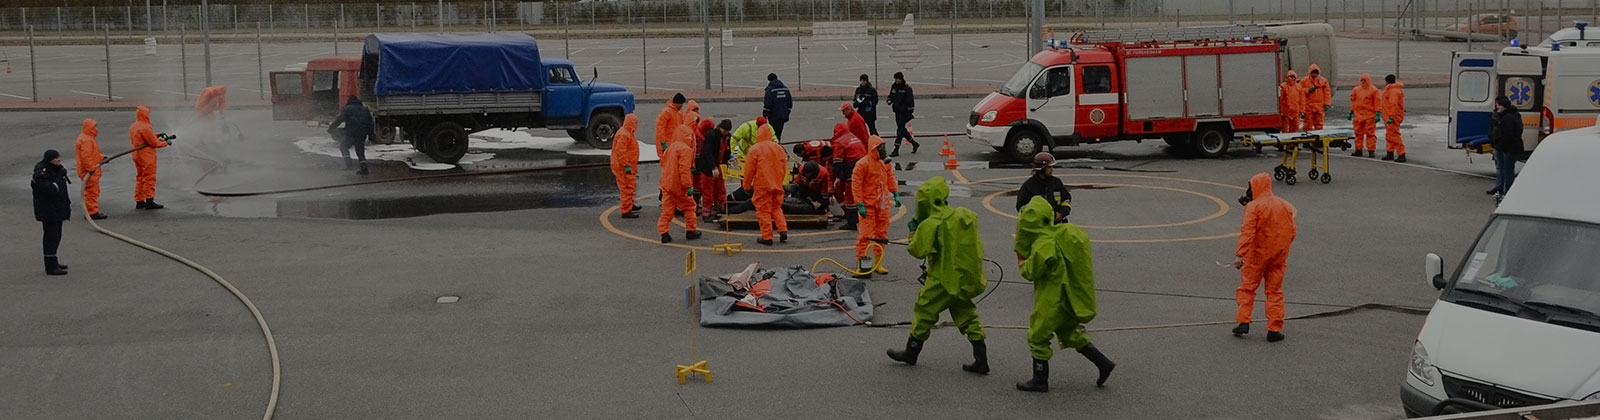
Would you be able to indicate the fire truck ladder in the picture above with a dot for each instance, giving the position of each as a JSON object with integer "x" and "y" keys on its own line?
{"x": 1209, "y": 33}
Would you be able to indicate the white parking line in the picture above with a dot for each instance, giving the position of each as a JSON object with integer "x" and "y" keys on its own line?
{"x": 15, "y": 96}
{"x": 579, "y": 50}
{"x": 623, "y": 50}
{"x": 95, "y": 94}
{"x": 176, "y": 93}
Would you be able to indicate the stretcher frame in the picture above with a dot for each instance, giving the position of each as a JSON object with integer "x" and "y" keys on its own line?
{"x": 1317, "y": 141}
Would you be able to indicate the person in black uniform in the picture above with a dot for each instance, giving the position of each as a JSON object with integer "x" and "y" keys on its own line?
{"x": 52, "y": 206}
{"x": 866, "y": 104}
{"x": 904, "y": 104}
{"x": 1044, "y": 183}
{"x": 358, "y": 127}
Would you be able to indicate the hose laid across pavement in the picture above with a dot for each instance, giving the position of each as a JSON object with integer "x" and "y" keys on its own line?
{"x": 266, "y": 332}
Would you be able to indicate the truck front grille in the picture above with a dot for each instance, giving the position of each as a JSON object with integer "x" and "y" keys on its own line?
{"x": 1488, "y": 394}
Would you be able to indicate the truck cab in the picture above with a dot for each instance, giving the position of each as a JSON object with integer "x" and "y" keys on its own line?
{"x": 317, "y": 91}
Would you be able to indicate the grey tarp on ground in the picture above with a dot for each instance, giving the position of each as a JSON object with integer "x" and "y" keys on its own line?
{"x": 796, "y": 301}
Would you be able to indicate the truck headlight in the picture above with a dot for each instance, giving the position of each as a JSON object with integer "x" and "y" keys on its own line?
{"x": 989, "y": 116}
{"x": 1421, "y": 368}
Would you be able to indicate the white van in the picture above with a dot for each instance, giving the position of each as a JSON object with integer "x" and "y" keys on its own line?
{"x": 1519, "y": 323}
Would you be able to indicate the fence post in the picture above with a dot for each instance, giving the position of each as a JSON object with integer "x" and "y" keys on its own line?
{"x": 440, "y": 17}
{"x": 799, "y": 73}
{"x": 33, "y": 65}
{"x": 261, "y": 68}
{"x": 108, "y": 63}
{"x": 183, "y": 56}
{"x": 336, "y": 38}
{"x": 205, "y": 36}
{"x": 953, "y": 12}
{"x": 705, "y": 36}
{"x": 644, "y": 44}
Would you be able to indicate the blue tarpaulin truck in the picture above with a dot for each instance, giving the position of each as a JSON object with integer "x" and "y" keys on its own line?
{"x": 434, "y": 90}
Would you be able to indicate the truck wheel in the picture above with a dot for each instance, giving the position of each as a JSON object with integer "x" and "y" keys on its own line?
{"x": 446, "y": 142}
{"x": 1211, "y": 141}
{"x": 602, "y": 128}
{"x": 578, "y": 135}
{"x": 387, "y": 134}
{"x": 1022, "y": 144}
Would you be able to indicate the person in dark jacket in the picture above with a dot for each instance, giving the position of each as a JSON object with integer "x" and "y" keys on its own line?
{"x": 866, "y": 104}
{"x": 776, "y": 104}
{"x": 713, "y": 152}
{"x": 1044, "y": 183}
{"x": 1505, "y": 134}
{"x": 358, "y": 127}
{"x": 52, "y": 206}
{"x": 904, "y": 104}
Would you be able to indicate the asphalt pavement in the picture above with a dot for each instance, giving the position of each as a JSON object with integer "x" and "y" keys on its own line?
{"x": 550, "y": 325}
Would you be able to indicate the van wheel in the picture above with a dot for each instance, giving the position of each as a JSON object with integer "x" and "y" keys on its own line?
{"x": 387, "y": 134}
{"x": 1211, "y": 141}
{"x": 1022, "y": 144}
{"x": 603, "y": 127}
{"x": 446, "y": 142}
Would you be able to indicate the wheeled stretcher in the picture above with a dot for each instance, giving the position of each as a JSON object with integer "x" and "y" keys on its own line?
{"x": 1318, "y": 141}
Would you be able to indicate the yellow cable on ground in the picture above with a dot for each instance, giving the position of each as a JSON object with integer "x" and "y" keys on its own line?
{"x": 877, "y": 263}
{"x": 272, "y": 345}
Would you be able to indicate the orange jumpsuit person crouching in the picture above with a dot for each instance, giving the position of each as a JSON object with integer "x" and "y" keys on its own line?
{"x": 1291, "y": 103}
{"x": 677, "y": 186}
{"x": 142, "y": 134}
{"x": 89, "y": 159}
{"x": 764, "y": 168}
{"x": 873, "y": 186}
{"x": 212, "y": 102}
{"x": 1393, "y": 98}
{"x": 1364, "y": 116}
{"x": 625, "y": 164}
{"x": 1263, "y": 254}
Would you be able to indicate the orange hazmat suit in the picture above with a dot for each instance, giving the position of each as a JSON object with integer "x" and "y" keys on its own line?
{"x": 1363, "y": 113}
{"x": 1394, "y": 114}
{"x": 677, "y": 178}
{"x": 142, "y": 134}
{"x": 1318, "y": 96}
{"x": 691, "y": 114}
{"x": 1264, "y": 241}
{"x": 1291, "y": 103}
{"x": 89, "y": 158}
{"x": 667, "y": 123}
{"x": 625, "y": 160}
{"x": 764, "y": 168}
{"x": 872, "y": 184}
{"x": 213, "y": 100}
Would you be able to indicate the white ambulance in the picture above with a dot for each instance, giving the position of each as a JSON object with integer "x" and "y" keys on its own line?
{"x": 1556, "y": 86}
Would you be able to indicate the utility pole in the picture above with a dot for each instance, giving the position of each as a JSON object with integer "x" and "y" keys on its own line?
{"x": 1230, "y": 12}
{"x": 205, "y": 24}
{"x": 1036, "y": 26}
{"x": 705, "y": 38}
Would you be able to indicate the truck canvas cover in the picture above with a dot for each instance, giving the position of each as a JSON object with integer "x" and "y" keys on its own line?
{"x": 788, "y": 297}
{"x": 414, "y": 64}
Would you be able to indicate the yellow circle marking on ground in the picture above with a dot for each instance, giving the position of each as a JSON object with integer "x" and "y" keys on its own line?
{"x": 711, "y": 236}
{"x": 988, "y": 204}
{"x": 896, "y": 216}
{"x": 1222, "y": 208}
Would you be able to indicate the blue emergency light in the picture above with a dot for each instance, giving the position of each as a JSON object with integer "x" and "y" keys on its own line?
{"x": 1516, "y": 43}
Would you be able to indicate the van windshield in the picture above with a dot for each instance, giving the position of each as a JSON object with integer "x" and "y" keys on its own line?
{"x": 1536, "y": 266}
{"x": 1019, "y": 81}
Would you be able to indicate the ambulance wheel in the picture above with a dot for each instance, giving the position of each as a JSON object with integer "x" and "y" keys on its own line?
{"x": 1312, "y": 174}
{"x": 1289, "y": 180}
{"x": 446, "y": 142}
{"x": 1023, "y": 143}
{"x": 1327, "y": 178}
{"x": 1211, "y": 141}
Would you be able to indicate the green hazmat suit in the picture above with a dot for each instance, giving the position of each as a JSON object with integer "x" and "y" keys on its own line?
{"x": 947, "y": 239}
{"x": 744, "y": 137}
{"x": 1058, "y": 261}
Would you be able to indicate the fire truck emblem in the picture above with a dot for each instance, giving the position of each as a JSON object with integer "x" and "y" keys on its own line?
{"x": 1097, "y": 116}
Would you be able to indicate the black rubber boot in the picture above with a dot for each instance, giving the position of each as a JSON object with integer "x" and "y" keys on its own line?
{"x": 630, "y": 215}
{"x": 1492, "y": 191}
{"x": 1241, "y": 330}
{"x": 98, "y": 216}
{"x": 980, "y": 359}
{"x": 1041, "y": 378}
{"x": 1388, "y": 156}
{"x": 348, "y": 164}
{"x": 914, "y": 146}
{"x": 783, "y": 237}
{"x": 767, "y": 242}
{"x": 53, "y": 268}
{"x": 150, "y": 204}
{"x": 691, "y": 235}
{"x": 635, "y": 208}
{"x": 1274, "y": 336}
{"x": 1372, "y": 154}
{"x": 139, "y": 205}
{"x": 1400, "y": 159}
{"x": 666, "y": 238}
{"x": 1357, "y": 153}
{"x": 1101, "y": 362}
{"x": 909, "y": 355}
{"x": 895, "y": 152}
{"x": 59, "y": 264}
{"x": 363, "y": 170}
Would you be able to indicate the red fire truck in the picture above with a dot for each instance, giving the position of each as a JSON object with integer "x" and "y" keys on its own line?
{"x": 1193, "y": 87}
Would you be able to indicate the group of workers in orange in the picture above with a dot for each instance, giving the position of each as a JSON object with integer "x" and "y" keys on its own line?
{"x": 1303, "y": 103}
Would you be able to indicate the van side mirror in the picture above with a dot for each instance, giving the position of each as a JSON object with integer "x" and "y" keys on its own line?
{"x": 1434, "y": 267}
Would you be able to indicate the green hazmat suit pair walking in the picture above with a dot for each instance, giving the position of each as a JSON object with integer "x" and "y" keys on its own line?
{"x": 947, "y": 240}
{"x": 1059, "y": 262}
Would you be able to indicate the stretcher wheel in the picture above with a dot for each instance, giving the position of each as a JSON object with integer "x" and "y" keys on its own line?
{"x": 1277, "y": 173}
{"x": 1312, "y": 174}
{"x": 1327, "y": 178}
{"x": 1290, "y": 180}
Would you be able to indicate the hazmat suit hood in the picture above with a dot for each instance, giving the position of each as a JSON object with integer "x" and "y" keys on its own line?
{"x": 1291, "y": 76}
{"x": 630, "y": 124}
{"x": 1261, "y": 186}
{"x": 1033, "y": 222}
{"x": 142, "y": 114}
{"x": 683, "y": 135}
{"x": 692, "y": 106}
{"x": 705, "y": 127}
{"x": 872, "y": 147}
{"x": 764, "y": 134}
{"x": 932, "y": 197}
{"x": 840, "y": 130}
{"x": 1314, "y": 69}
{"x": 90, "y": 127}
{"x": 1366, "y": 79}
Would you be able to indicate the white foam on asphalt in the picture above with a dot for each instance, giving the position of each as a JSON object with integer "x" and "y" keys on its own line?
{"x": 387, "y": 152}
{"x": 484, "y": 140}
{"x": 512, "y": 139}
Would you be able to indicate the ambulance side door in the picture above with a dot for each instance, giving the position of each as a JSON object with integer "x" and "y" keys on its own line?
{"x": 1472, "y": 89}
